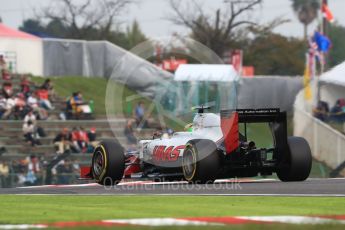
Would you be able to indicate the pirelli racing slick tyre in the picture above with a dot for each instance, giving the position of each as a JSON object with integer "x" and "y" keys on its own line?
{"x": 200, "y": 161}
{"x": 108, "y": 163}
{"x": 297, "y": 161}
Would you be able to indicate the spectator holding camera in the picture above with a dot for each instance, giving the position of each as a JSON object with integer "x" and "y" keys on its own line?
{"x": 30, "y": 133}
{"x": 63, "y": 141}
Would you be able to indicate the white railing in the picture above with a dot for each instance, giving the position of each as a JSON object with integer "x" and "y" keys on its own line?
{"x": 327, "y": 144}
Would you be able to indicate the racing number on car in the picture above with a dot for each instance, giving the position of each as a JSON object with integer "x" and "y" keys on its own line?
{"x": 164, "y": 153}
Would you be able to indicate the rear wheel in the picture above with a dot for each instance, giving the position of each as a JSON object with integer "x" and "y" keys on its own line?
{"x": 297, "y": 162}
{"x": 200, "y": 162}
{"x": 108, "y": 163}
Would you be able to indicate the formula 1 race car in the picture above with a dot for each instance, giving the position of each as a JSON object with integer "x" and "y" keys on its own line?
{"x": 214, "y": 149}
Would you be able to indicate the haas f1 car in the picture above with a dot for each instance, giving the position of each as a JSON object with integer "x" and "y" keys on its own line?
{"x": 214, "y": 149}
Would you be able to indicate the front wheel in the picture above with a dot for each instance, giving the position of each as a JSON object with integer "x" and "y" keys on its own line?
{"x": 200, "y": 162}
{"x": 108, "y": 163}
{"x": 297, "y": 162}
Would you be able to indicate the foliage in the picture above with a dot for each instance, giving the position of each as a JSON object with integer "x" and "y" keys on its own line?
{"x": 87, "y": 20}
{"x": 220, "y": 31}
{"x": 307, "y": 12}
{"x": 336, "y": 34}
{"x": 57, "y": 29}
{"x": 274, "y": 54}
{"x": 134, "y": 35}
{"x": 33, "y": 26}
{"x": 224, "y": 32}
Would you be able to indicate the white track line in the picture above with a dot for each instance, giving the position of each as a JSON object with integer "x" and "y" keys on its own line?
{"x": 292, "y": 219}
{"x": 23, "y": 226}
{"x": 61, "y": 186}
{"x": 179, "y": 194}
{"x": 196, "y": 221}
{"x": 159, "y": 222}
{"x": 147, "y": 183}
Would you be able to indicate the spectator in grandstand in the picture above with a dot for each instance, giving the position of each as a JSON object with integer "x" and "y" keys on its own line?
{"x": 321, "y": 111}
{"x": 25, "y": 86}
{"x": 19, "y": 169}
{"x": 48, "y": 85}
{"x": 77, "y": 107}
{"x": 9, "y": 108}
{"x": 78, "y": 98}
{"x": 6, "y": 75}
{"x": 30, "y": 116}
{"x": 30, "y": 133}
{"x": 34, "y": 164}
{"x": 64, "y": 172}
{"x": 30, "y": 179}
{"x": 69, "y": 108}
{"x": 80, "y": 139}
{"x": 81, "y": 106}
{"x": 338, "y": 111}
{"x": 75, "y": 137}
{"x": 7, "y": 90}
{"x": 4, "y": 173}
{"x": 3, "y": 69}
{"x": 22, "y": 171}
{"x": 33, "y": 169}
{"x": 129, "y": 132}
{"x": 15, "y": 166}
{"x": 2, "y": 105}
{"x": 63, "y": 141}
{"x": 342, "y": 102}
{"x": 20, "y": 108}
{"x": 32, "y": 101}
{"x": 92, "y": 135}
{"x": 2, "y": 150}
{"x": 2, "y": 63}
{"x": 139, "y": 113}
{"x": 75, "y": 167}
{"x": 43, "y": 98}
{"x": 83, "y": 140}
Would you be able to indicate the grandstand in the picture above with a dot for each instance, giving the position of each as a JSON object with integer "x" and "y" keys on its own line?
{"x": 19, "y": 152}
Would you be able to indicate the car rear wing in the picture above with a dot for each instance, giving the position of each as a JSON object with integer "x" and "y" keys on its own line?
{"x": 273, "y": 116}
{"x": 257, "y": 115}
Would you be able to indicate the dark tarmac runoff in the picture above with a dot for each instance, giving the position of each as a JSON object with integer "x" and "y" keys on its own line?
{"x": 240, "y": 187}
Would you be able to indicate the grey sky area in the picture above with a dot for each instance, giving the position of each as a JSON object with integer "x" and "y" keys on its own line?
{"x": 152, "y": 14}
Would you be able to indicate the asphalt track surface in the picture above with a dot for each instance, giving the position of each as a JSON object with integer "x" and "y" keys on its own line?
{"x": 234, "y": 187}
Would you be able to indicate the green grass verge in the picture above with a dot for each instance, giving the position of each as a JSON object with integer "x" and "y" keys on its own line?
{"x": 38, "y": 209}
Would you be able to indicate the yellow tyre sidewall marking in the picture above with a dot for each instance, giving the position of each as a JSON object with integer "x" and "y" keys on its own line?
{"x": 194, "y": 160}
{"x": 104, "y": 153}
